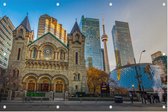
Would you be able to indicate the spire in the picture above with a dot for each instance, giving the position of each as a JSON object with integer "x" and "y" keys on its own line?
{"x": 103, "y": 27}
{"x": 75, "y": 28}
{"x": 26, "y": 24}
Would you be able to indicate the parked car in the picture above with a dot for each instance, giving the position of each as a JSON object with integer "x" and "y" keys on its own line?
{"x": 118, "y": 99}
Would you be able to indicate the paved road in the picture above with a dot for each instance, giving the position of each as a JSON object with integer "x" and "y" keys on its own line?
{"x": 78, "y": 106}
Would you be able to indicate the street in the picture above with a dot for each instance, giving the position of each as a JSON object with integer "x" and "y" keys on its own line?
{"x": 80, "y": 106}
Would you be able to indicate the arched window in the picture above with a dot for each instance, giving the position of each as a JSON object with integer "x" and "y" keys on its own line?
{"x": 34, "y": 55}
{"x": 76, "y": 87}
{"x": 14, "y": 85}
{"x": 74, "y": 76}
{"x": 78, "y": 76}
{"x": 62, "y": 55}
{"x": 76, "y": 57}
{"x": 18, "y": 56}
{"x": 17, "y": 73}
{"x": 21, "y": 33}
{"x": 76, "y": 37}
{"x": 14, "y": 73}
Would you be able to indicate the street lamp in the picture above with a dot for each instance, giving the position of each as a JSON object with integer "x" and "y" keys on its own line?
{"x": 132, "y": 85}
{"x": 141, "y": 55}
{"x": 139, "y": 67}
{"x": 138, "y": 76}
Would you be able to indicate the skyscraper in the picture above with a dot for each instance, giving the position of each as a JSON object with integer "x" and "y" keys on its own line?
{"x": 106, "y": 61}
{"x": 93, "y": 53}
{"x": 122, "y": 44}
{"x": 6, "y": 39}
{"x": 6, "y": 28}
{"x": 49, "y": 24}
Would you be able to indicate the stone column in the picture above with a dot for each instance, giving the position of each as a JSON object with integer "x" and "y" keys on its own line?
{"x": 58, "y": 55}
{"x": 38, "y": 54}
{"x": 55, "y": 56}
{"x": 30, "y": 53}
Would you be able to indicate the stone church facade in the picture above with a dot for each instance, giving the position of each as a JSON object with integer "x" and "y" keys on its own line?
{"x": 47, "y": 64}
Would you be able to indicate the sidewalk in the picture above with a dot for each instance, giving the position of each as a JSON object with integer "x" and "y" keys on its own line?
{"x": 74, "y": 102}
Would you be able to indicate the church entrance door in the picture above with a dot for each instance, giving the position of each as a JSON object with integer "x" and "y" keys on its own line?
{"x": 59, "y": 86}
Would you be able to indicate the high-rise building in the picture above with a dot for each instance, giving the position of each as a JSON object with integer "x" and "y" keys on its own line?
{"x": 49, "y": 24}
{"x": 93, "y": 53}
{"x": 161, "y": 60}
{"x": 6, "y": 28}
{"x": 106, "y": 61}
{"x": 122, "y": 44}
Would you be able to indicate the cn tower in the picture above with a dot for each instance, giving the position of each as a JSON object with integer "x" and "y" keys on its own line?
{"x": 104, "y": 39}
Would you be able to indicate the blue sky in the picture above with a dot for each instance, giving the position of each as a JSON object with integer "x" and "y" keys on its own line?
{"x": 146, "y": 18}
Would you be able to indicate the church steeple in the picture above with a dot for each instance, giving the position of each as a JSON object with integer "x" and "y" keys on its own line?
{"x": 26, "y": 24}
{"x": 24, "y": 30}
{"x": 75, "y": 28}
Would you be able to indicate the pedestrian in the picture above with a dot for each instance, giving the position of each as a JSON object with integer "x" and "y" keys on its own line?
{"x": 145, "y": 97}
{"x": 149, "y": 98}
{"x": 158, "y": 99}
{"x": 131, "y": 97}
{"x": 142, "y": 98}
{"x": 165, "y": 97}
{"x": 0, "y": 95}
{"x": 152, "y": 98}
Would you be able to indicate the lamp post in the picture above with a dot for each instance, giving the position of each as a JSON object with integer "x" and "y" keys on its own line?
{"x": 133, "y": 88}
{"x": 132, "y": 93}
{"x": 139, "y": 67}
{"x": 138, "y": 76}
{"x": 141, "y": 55}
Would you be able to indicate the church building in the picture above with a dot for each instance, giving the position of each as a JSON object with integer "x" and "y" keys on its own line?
{"x": 47, "y": 64}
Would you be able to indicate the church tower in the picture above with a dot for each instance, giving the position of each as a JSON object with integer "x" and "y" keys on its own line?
{"x": 22, "y": 35}
{"x": 77, "y": 69}
{"x": 106, "y": 61}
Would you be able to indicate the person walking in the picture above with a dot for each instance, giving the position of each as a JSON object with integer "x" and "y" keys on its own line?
{"x": 131, "y": 97}
{"x": 165, "y": 97}
{"x": 0, "y": 95}
{"x": 149, "y": 98}
{"x": 145, "y": 97}
{"x": 152, "y": 98}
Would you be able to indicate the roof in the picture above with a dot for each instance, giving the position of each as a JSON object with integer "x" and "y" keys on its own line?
{"x": 51, "y": 36}
{"x": 130, "y": 65}
{"x": 26, "y": 24}
{"x": 75, "y": 28}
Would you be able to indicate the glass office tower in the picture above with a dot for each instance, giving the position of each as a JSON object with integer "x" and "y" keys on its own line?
{"x": 122, "y": 44}
{"x": 93, "y": 52}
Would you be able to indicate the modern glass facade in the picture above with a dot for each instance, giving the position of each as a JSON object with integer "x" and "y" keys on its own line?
{"x": 122, "y": 44}
{"x": 6, "y": 39}
{"x": 126, "y": 76}
{"x": 93, "y": 52}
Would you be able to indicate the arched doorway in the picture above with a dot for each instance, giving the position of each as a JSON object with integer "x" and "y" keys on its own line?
{"x": 44, "y": 84}
{"x": 31, "y": 85}
{"x": 29, "y": 82}
{"x": 59, "y": 86}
